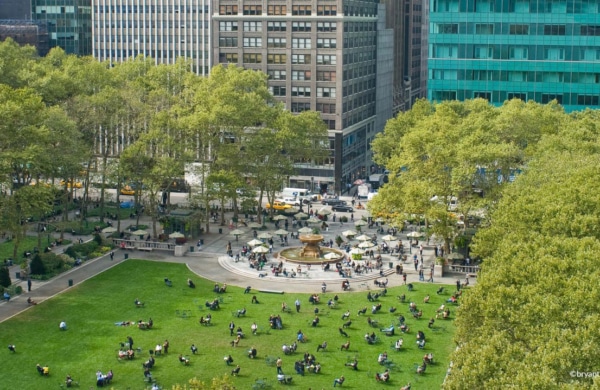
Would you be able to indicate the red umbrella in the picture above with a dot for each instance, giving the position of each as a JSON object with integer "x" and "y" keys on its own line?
{"x": 359, "y": 182}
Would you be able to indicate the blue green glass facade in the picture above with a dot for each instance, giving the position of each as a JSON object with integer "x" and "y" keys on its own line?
{"x": 503, "y": 49}
{"x": 69, "y": 23}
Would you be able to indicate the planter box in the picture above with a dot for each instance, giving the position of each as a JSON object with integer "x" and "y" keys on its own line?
{"x": 439, "y": 270}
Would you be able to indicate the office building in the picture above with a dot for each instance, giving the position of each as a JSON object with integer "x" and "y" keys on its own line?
{"x": 69, "y": 23}
{"x": 320, "y": 55}
{"x": 26, "y": 32}
{"x": 162, "y": 30}
{"x": 504, "y": 49}
{"x": 15, "y": 9}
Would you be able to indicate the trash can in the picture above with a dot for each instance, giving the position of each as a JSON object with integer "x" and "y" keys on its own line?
{"x": 191, "y": 248}
{"x": 70, "y": 282}
{"x": 220, "y": 230}
{"x": 126, "y": 256}
{"x": 18, "y": 275}
{"x": 391, "y": 265}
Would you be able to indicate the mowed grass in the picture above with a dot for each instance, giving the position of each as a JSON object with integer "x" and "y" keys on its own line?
{"x": 91, "y": 342}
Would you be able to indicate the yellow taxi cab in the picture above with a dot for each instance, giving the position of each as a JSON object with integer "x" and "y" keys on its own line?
{"x": 279, "y": 205}
{"x": 70, "y": 184}
{"x": 127, "y": 190}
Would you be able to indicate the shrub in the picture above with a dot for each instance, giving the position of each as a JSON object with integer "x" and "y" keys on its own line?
{"x": 82, "y": 250}
{"x": 98, "y": 239}
{"x": 4, "y": 277}
{"x": 37, "y": 265}
{"x": 343, "y": 219}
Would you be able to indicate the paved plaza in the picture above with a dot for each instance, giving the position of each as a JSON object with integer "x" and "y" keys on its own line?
{"x": 211, "y": 262}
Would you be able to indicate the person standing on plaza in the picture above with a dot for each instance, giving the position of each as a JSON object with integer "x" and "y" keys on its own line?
{"x": 231, "y": 328}
{"x": 29, "y": 284}
{"x": 298, "y": 305}
{"x": 430, "y": 276}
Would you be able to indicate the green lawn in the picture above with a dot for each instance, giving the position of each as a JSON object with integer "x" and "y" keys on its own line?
{"x": 92, "y": 340}
{"x": 28, "y": 243}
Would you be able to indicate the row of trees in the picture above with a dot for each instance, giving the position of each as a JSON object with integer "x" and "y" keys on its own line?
{"x": 61, "y": 115}
{"x": 532, "y": 320}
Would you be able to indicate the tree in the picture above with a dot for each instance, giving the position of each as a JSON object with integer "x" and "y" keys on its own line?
{"x": 539, "y": 271}
{"x": 5, "y": 277}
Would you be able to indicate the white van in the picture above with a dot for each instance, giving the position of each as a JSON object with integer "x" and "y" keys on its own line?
{"x": 291, "y": 201}
{"x": 301, "y": 194}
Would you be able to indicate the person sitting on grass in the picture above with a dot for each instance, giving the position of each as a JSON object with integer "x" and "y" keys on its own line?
{"x": 353, "y": 364}
{"x": 184, "y": 360}
{"x": 190, "y": 283}
{"x": 138, "y": 303}
{"x": 383, "y": 377}
{"x": 69, "y": 381}
{"x": 252, "y": 353}
{"x": 31, "y": 301}
{"x": 338, "y": 381}
{"x": 235, "y": 371}
{"x": 228, "y": 360}
{"x": 12, "y": 348}
{"x": 194, "y": 349}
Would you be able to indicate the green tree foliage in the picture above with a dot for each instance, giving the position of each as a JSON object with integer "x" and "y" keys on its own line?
{"x": 37, "y": 266}
{"x": 532, "y": 319}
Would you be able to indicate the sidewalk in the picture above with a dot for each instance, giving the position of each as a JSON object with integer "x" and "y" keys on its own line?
{"x": 211, "y": 263}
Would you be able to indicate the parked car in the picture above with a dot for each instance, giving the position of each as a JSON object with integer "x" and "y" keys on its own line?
{"x": 70, "y": 184}
{"x": 278, "y": 205}
{"x": 342, "y": 207}
{"x": 128, "y": 204}
{"x": 332, "y": 201}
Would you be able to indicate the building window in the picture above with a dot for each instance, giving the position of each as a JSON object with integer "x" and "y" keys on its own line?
{"x": 277, "y": 90}
{"x": 483, "y": 52}
{"x": 303, "y": 75}
{"x": 252, "y": 42}
{"x": 276, "y": 74}
{"x": 445, "y": 6}
{"x": 276, "y": 10}
{"x": 517, "y": 95}
{"x": 276, "y": 42}
{"x": 484, "y": 29}
{"x": 517, "y": 53}
{"x": 276, "y": 58}
{"x": 326, "y": 59}
{"x": 301, "y": 26}
{"x": 554, "y": 29}
{"x": 253, "y": 26}
{"x": 519, "y": 29}
{"x": 228, "y": 42}
{"x": 554, "y": 53}
{"x": 326, "y": 75}
{"x": 326, "y": 43}
{"x": 484, "y": 95}
{"x": 444, "y": 51}
{"x": 228, "y": 26}
{"x": 228, "y": 10}
{"x": 548, "y": 97}
{"x": 592, "y": 31}
{"x": 253, "y": 10}
{"x": 484, "y": 5}
{"x": 299, "y": 107}
{"x": 330, "y": 123}
{"x": 228, "y": 57}
{"x": 326, "y": 26}
{"x": 444, "y": 95}
{"x": 301, "y": 10}
{"x": 587, "y": 100}
{"x": 326, "y": 92}
{"x": 446, "y": 28}
{"x": 301, "y": 91}
{"x": 276, "y": 26}
{"x": 301, "y": 43}
{"x": 519, "y": 6}
{"x": 326, "y": 108}
{"x": 252, "y": 58}
{"x": 300, "y": 58}
{"x": 327, "y": 10}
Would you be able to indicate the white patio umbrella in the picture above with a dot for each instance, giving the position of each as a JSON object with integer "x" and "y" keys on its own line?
{"x": 300, "y": 215}
{"x": 313, "y": 220}
{"x": 305, "y": 230}
{"x": 414, "y": 234}
{"x": 265, "y": 235}
{"x": 254, "y": 225}
{"x": 324, "y": 211}
{"x": 260, "y": 249}
{"x": 139, "y": 232}
{"x": 109, "y": 229}
{"x": 349, "y": 233}
{"x": 255, "y": 242}
{"x": 279, "y": 217}
{"x": 357, "y": 251}
{"x": 389, "y": 237}
{"x": 366, "y": 244}
{"x": 236, "y": 232}
{"x": 360, "y": 222}
{"x": 363, "y": 237}
{"x": 176, "y": 235}
{"x": 332, "y": 255}
{"x": 380, "y": 220}
{"x": 281, "y": 232}
{"x": 455, "y": 256}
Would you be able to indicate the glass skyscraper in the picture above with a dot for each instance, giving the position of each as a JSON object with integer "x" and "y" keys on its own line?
{"x": 503, "y": 49}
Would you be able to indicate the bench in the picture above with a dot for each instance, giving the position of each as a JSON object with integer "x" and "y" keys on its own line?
{"x": 128, "y": 247}
{"x": 145, "y": 249}
{"x": 271, "y": 291}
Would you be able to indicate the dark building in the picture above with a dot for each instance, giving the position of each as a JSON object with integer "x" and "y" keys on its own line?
{"x": 26, "y": 32}
{"x": 15, "y": 9}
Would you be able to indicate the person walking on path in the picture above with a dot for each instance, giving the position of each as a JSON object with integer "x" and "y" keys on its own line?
{"x": 430, "y": 276}
{"x": 29, "y": 284}
{"x": 231, "y": 328}
{"x": 298, "y": 304}
{"x": 112, "y": 256}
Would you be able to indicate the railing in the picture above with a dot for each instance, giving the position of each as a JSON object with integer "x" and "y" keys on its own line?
{"x": 467, "y": 269}
{"x": 155, "y": 245}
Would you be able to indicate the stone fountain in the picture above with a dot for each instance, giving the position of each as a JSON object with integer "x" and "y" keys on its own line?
{"x": 311, "y": 245}
{"x": 311, "y": 253}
